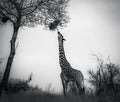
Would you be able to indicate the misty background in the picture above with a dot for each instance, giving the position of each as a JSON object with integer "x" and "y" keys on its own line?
{"x": 94, "y": 27}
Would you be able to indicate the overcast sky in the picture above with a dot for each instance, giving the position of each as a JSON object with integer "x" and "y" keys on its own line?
{"x": 94, "y": 27}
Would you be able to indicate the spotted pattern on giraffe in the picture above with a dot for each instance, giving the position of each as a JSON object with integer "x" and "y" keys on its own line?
{"x": 68, "y": 74}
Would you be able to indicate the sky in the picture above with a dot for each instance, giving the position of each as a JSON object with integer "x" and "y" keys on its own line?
{"x": 94, "y": 27}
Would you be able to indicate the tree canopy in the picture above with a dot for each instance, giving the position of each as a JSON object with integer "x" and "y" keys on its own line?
{"x": 32, "y": 12}
{"x": 51, "y": 13}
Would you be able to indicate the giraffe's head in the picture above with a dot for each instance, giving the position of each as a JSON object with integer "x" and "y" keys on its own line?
{"x": 60, "y": 37}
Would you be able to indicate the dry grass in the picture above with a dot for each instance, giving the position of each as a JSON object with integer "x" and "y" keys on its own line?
{"x": 35, "y": 96}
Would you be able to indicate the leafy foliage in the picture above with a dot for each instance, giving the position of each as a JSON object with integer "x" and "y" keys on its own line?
{"x": 32, "y": 12}
{"x": 56, "y": 14}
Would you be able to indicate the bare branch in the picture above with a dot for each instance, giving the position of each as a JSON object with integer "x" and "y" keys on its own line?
{"x": 4, "y": 15}
{"x": 7, "y": 12}
{"x": 33, "y": 5}
{"x": 106, "y": 77}
{"x": 30, "y": 12}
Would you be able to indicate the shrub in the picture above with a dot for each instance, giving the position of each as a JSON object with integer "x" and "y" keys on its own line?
{"x": 106, "y": 79}
{"x": 17, "y": 85}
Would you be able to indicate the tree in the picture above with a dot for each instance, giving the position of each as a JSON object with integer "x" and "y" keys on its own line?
{"x": 56, "y": 15}
{"x": 106, "y": 79}
{"x": 28, "y": 13}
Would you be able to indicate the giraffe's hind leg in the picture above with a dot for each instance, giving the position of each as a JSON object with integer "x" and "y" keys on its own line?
{"x": 73, "y": 89}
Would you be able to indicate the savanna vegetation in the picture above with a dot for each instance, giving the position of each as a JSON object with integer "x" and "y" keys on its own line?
{"x": 105, "y": 79}
{"x": 29, "y": 13}
{"x": 105, "y": 82}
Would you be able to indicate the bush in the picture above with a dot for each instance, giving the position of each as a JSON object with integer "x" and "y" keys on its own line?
{"x": 17, "y": 85}
{"x": 106, "y": 79}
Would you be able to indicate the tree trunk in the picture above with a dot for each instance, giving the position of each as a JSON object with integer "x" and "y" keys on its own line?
{"x": 5, "y": 78}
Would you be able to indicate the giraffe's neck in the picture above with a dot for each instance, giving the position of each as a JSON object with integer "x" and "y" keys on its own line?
{"x": 62, "y": 58}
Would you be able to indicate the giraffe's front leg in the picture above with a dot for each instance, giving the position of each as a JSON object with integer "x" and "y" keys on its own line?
{"x": 64, "y": 84}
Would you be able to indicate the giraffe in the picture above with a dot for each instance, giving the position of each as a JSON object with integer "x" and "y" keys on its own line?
{"x": 68, "y": 74}
{"x": 72, "y": 88}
